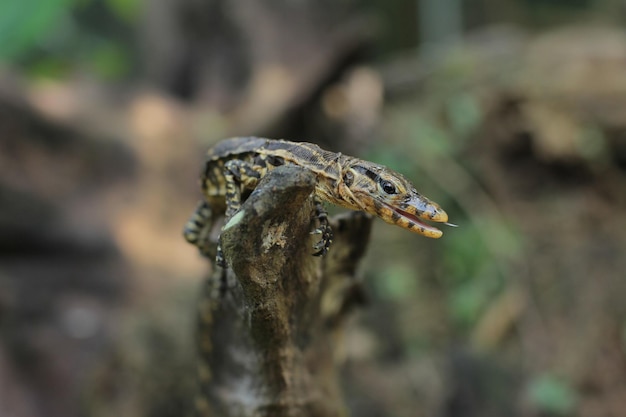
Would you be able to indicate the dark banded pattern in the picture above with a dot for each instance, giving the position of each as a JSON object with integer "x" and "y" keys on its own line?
{"x": 237, "y": 164}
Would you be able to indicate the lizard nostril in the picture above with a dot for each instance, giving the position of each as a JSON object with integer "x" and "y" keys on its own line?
{"x": 436, "y": 213}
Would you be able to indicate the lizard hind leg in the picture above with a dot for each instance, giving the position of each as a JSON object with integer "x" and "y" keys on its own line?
{"x": 324, "y": 229}
{"x": 198, "y": 228}
{"x": 239, "y": 175}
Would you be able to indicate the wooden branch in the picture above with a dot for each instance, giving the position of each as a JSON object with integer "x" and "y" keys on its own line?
{"x": 267, "y": 340}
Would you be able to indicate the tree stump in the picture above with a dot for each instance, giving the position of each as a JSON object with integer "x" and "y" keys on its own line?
{"x": 269, "y": 322}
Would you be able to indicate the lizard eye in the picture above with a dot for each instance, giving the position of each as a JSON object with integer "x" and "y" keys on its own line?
{"x": 388, "y": 187}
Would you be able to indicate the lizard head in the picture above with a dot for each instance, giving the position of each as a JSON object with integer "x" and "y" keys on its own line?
{"x": 387, "y": 194}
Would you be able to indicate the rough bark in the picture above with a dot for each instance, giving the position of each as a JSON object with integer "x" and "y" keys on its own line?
{"x": 268, "y": 323}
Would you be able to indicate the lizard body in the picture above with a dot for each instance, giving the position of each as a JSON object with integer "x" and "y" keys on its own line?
{"x": 234, "y": 166}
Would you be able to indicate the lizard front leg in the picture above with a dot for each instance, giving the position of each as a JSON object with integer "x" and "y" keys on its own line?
{"x": 323, "y": 229}
{"x": 239, "y": 175}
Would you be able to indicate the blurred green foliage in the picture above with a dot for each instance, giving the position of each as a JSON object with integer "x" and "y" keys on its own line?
{"x": 470, "y": 274}
{"x": 56, "y": 38}
{"x": 464, "y": 114}
{"x": 127, "y": 10}
{"x": 423, "y": 135}
{"x": 23, "y": 23}
{"x": 552, "y": 395}
{"x": 592, "y": 144}
{"x": 401, "y": 282}
{"x": 110, "y": 61}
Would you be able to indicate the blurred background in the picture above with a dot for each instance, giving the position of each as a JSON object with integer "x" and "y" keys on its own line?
{"x": 510, "y": 113}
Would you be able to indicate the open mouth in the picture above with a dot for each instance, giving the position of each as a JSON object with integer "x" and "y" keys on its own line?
{"x": 417, "y": 224}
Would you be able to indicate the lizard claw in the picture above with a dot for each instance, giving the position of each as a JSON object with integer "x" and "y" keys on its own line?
{"x": 322, "y": 246}
{"x": 324, "y": 229}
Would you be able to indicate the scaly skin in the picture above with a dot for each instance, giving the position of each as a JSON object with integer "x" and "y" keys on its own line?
{"x": 237, "y": 164}
{"x": 379, "y": 191}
